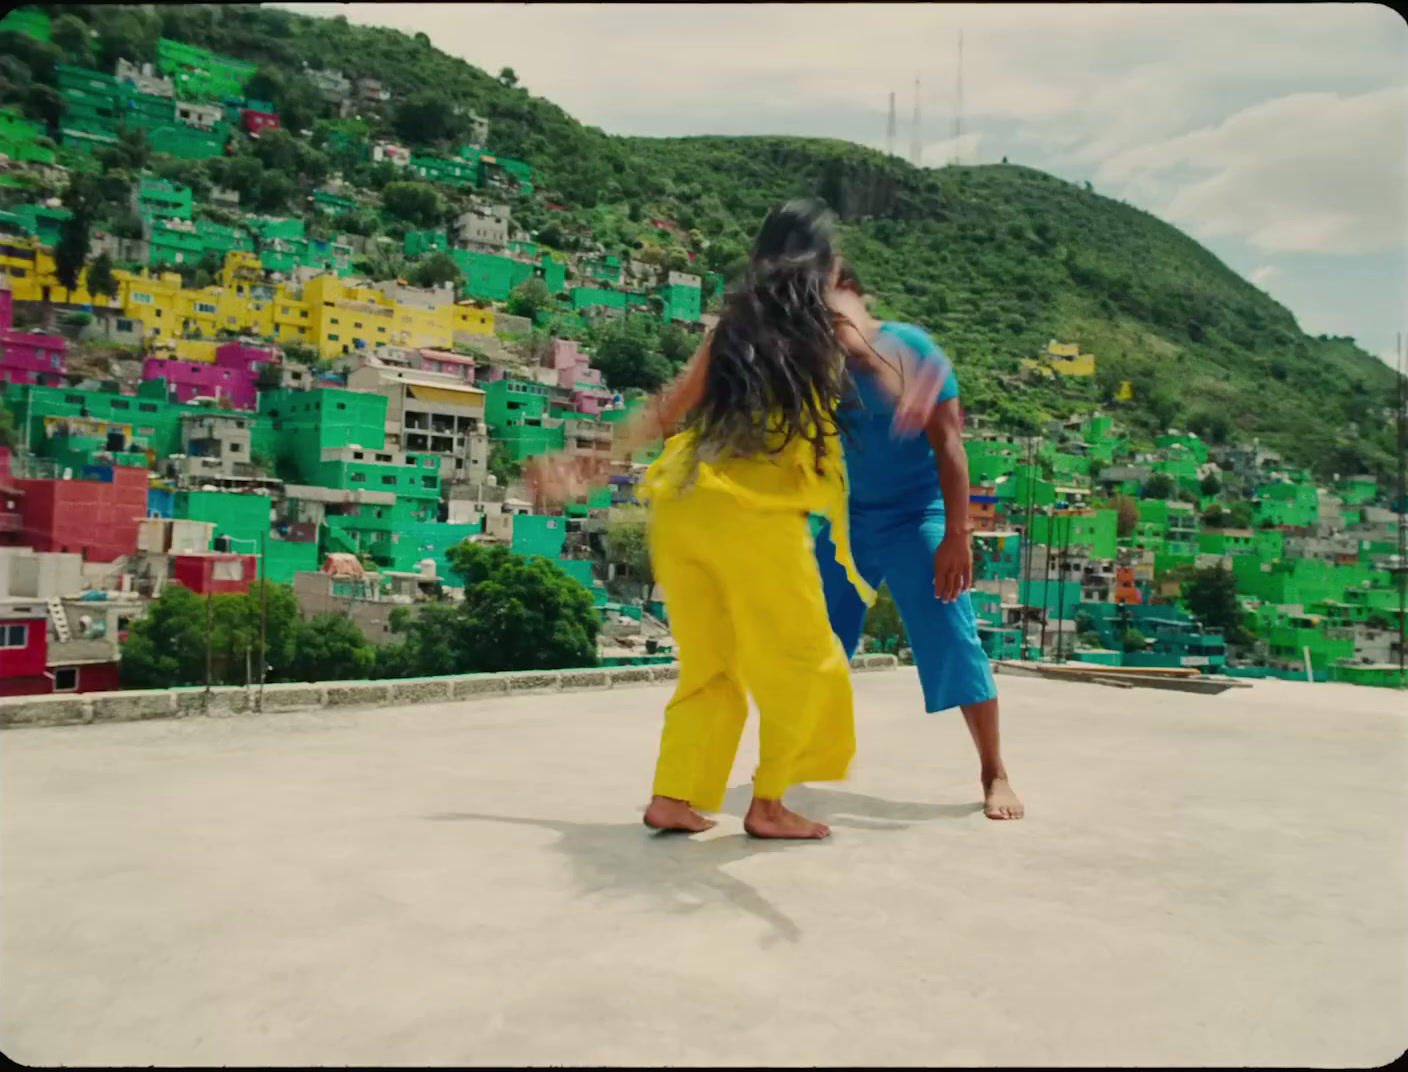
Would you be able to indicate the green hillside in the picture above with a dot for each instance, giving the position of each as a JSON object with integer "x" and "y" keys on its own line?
{"x": 994, "y": 260}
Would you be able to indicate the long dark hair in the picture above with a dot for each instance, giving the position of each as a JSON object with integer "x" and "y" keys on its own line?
{"x": 776, "y": 368}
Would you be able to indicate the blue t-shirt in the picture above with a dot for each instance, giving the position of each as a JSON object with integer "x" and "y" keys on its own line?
{"x": 885, "y": 472}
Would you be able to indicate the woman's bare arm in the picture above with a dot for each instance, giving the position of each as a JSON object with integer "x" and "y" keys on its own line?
{"x": 660, "y": 416}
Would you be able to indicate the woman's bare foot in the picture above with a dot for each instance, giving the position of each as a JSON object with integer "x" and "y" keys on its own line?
{"x": 666, "y": 813}
{"x": 769, "y": 819}
{"x": 999, "y": 802}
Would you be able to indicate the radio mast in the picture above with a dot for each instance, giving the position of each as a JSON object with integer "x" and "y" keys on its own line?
{"x": 958, "y": 108}
{"x": 890, "y": 128}
{"x": 915, "y": 142}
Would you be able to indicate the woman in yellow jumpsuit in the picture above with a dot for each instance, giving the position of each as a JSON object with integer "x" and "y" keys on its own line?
{"x": 731, "y": 545}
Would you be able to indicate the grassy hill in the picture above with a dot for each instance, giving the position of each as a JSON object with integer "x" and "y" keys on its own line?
{"x": 993, "y": 260}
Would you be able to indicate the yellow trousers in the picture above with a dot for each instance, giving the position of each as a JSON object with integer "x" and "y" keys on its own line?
{"x": 748, "y": 615}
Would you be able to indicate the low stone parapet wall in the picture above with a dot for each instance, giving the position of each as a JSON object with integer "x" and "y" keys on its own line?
{"x": 136, "y": 704}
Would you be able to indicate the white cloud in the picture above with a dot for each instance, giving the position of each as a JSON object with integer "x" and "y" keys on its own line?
{"x": 1310, "y": 172}
{"x": 1263, "y": 275}
{"x": 1260, "y": 128}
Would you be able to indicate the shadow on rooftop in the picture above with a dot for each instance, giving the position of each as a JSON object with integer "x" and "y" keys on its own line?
{"x": 683, "y": 874}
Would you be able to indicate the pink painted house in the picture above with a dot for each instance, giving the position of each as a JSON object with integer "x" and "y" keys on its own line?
{"x": 456, "y": 365}
{"x": 28, "y": 356}
{"x": 234, "y": 375}
{"x": 574, "y": 371}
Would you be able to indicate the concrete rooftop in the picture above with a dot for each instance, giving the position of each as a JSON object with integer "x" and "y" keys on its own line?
{"x": 1200, "y": 880}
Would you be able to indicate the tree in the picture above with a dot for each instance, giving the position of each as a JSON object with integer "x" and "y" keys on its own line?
{"x": 1211, "y": 597}
{"x": 75, "y": 232}
{"x": 274, "y": 191}
{"x": 1210, "y": 485}
{"x": 1133, "y": 640}
{"x": 167, "y": 647}
{"x": 529, "y": 298}
{"x": 520, "y": 613}
{"x": 502, "y": 467}
{"x": 425, "y": 119}
{"x": 626, "y": 545}
{"x": 414, "y": 202}
{"x": 437, "y": 269}
{"x": 329, "y": 647}
{"x": 71, "y": 34}
{"x": 627, "y": 352}
{"x": 883, "y": 623}
{"x": 1240, "y": 515}
{"x": 676, "y": 345}
{"x": 101, "y": 281}
{"x": 507, "y": 77}
{"x": 1159, "y": 486}
{"x": 1127, "y": 511}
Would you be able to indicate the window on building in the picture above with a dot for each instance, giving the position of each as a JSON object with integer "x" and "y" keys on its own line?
{"x": 66, "y": 679}
{"x": 332, "y": 338}
{"x": 231, "y": 569}
{"x": 383, "y": 457}
{"x": 303, "y": 313}
{"x": 18, "y": 273}
{"x": 389, "y": 478}
{"x": 205, "y": 307}
{"x": 427, "y": 481}
{"x": 121, "y": 403}
{"x": 141, "y": 299}
{"x": 147, "y": 407}
{"x": 334, "y": 320}
{"x": 357, "y": 478}
{"x": 14, "y": 636}
{"x": 74, "y": 400}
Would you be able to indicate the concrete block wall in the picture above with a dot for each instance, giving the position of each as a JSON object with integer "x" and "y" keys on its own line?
{"x": 137, "y": 704}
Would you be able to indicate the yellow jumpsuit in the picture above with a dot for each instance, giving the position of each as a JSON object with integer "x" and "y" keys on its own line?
{"x": 731, "y": 545}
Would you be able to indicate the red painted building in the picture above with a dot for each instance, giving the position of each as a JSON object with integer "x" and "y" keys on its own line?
{"x": 25, "y": 669}
{"x": 214, "y": 572}
{"x": 253, "y": 122}
{"x": 95, "y": 517}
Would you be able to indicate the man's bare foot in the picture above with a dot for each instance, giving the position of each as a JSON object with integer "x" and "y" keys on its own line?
{"x": 999, "y": 802}
{"x": 666, "y": 814}
{"x": 769, "y": 819}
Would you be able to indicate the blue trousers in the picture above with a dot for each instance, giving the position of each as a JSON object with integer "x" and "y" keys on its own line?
{"x": 896, "y": 547}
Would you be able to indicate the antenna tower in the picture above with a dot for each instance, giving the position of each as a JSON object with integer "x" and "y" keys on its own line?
{"x": 958, "y": 109}
{"x": 915, "y": 142}
{"x": 890, "y": 128}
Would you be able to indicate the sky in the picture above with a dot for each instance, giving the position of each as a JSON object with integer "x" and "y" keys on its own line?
{"x": 1275, "y": 134}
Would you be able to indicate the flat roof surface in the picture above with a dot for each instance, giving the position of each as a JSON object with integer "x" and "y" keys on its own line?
{"x": 1200, "y": 880}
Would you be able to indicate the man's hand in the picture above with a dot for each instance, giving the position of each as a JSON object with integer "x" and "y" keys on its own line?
{"x": 953, "y": 567}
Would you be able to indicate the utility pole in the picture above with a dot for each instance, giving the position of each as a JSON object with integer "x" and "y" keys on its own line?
{"x": 1061, "y": 580}
{"x": 890, "y": 128}
{"x": 1402, "y": 506}
{"x": 263, "y": 619}
{"x": 1045, "y": 580}
{"x": 1027, "y": 545}
{"x": 209, "y": 629}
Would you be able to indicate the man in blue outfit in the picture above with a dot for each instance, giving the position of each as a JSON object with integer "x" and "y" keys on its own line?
{"x": 910, "y": 529}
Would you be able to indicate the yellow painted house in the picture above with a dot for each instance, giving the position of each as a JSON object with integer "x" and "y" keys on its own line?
{"x": 1063, "y": 357}
{"x": 329, "y": 314}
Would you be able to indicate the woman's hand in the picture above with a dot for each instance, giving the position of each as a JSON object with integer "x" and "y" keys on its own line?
{"x": 953, "y": 567}
{"x": 917, "y": 399}
{"x": 555, "y": 479}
